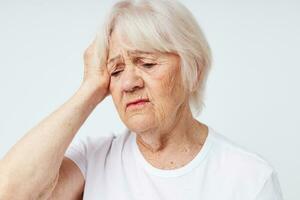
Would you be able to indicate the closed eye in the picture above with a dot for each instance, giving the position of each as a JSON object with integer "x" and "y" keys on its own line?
{"x": 148, "y": 65}
{"x": 144, "y": 62}
{"x": 116, "y": 73}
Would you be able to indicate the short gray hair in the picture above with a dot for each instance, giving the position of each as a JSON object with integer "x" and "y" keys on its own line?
{"x": 164, "y": 26}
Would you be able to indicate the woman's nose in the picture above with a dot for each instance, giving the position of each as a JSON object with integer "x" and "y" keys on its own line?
{"x": 131, "y": 81}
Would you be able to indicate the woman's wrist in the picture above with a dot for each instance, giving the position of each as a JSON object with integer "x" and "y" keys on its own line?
{"x": 92, "y": 92}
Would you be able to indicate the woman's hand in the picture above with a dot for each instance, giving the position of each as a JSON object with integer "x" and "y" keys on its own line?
{"x": 96, "y": 77}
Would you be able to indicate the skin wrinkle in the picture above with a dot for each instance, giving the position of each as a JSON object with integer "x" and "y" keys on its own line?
{"x": 169, "y": 81}
{"x": 167, "y": 134}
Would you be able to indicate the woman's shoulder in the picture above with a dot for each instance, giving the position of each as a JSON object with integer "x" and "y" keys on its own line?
{"x": 233, "y": 156}
{"x": 87, "y": 148}
{"x": 241, "y": 168}
{"x": 104, "y": 143}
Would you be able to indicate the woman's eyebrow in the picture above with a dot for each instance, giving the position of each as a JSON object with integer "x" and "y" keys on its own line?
{"x": 134, "y": 52}
{"x": 130, "y": 53}
{"x": 113, "y": 59}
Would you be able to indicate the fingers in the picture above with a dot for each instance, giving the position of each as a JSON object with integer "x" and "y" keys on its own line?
{"x": 91, "y": 57}
{"x": 93, "y": 44}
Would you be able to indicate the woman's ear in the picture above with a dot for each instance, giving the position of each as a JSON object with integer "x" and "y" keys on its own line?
{"x": 197, "y": 81}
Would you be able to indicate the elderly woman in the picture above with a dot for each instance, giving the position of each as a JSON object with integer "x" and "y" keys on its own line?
{"x": 153, "y": 59}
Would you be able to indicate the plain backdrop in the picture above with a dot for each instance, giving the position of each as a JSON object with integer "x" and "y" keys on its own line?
{"x": 252, "y": 92}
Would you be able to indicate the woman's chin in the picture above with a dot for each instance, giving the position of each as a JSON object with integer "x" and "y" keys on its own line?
{"x": 140, "y": 122}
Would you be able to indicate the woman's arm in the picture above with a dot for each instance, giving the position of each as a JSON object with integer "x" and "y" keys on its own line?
{"x": 30, "y": 169}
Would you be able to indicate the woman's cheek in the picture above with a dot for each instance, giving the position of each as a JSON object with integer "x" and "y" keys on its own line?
{"x": 115, "y": 92}
{"x": 111, "y": 85}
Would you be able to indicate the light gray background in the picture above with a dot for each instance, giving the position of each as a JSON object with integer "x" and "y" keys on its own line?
{"x": 252, "y": 91}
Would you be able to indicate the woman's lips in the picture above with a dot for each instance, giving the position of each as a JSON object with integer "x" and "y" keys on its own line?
{"x": 137, "y": 103}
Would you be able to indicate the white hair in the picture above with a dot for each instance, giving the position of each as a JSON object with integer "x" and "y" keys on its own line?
{"x": 164, "y": 26}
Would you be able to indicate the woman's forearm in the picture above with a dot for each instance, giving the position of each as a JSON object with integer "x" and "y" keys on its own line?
{"x": 32, "y": 165}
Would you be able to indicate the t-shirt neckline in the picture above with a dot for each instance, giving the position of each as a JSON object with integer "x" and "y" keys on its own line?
{"x": 172, "y": 172}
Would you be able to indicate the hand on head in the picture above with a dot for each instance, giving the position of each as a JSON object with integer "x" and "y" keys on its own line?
{"x": 95, "y": 76}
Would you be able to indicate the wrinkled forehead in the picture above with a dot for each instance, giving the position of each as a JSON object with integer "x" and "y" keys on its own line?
{"x": 120, "y": 45}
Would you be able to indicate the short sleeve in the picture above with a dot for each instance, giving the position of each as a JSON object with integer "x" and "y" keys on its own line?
{"x": 77, "y": 151}
{"x": 81, "y": 150}
{"x": 271, "y": 189}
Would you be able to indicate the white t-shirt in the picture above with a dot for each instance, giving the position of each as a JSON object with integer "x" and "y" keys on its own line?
{"x": 115, "y": 169}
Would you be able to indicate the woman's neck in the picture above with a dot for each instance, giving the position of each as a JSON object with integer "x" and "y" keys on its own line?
{"x": 176, "y": 146}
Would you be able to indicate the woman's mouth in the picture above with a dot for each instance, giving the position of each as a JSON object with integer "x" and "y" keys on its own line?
{"x": 139, "y": 103}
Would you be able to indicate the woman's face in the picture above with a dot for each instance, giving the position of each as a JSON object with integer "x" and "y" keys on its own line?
{"x": 146, "y": 87}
